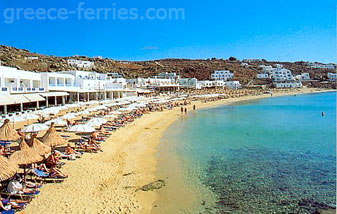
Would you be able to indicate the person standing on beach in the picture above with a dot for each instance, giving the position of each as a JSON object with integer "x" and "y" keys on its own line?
{"x": 182, "y": 110}
{"x": 193, "y": 107}
{"x": 185, "y": 110}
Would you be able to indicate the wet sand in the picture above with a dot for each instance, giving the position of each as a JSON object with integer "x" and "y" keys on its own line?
{"x": 109, "y": 182}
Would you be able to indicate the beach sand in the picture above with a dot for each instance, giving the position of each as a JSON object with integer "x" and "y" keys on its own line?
{"x": 109, "y": 182}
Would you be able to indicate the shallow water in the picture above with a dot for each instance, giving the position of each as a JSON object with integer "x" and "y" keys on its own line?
{"x": 274, "y": 155}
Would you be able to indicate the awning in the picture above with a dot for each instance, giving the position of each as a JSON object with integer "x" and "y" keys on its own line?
{"x": 19, "y": 99}
{"x": 54, "y": 94}
{"x": 4, "y": 100}
{"x": 34, "y": 97}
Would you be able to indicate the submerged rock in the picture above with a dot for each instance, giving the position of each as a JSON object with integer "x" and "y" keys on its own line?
{"x": 154, "y": 185}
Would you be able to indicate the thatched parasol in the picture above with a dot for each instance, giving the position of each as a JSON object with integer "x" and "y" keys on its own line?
{"x": 7, "y": 133}
{"x": 40, "y": 148}
{"x": 25, "y": 155}
{"x": 52, "y": 138}
{"x": 7, "y": 169}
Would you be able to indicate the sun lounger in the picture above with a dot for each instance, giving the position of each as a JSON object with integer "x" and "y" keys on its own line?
{"x": 44, "y": 177}
{"x": 8, "y": 212}
{"x": 22, "y": 196}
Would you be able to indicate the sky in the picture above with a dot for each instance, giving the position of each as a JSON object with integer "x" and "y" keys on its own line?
{"x": 279, "y": 30}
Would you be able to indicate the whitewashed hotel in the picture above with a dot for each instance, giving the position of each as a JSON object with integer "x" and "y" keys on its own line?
{"x": 80, "y": 63}
{"x": 320, "y": 66}
{"x": 332, "y": 77}
{"x": 222, "y": 75}
{"x": 21, "y": 90}
{"x": 286, "y": 84}
{"x": 24, "y": 89}
{"x": 191, "y": 83}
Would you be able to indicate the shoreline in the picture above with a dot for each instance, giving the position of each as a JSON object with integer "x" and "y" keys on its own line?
{"x": 107, "y": 182}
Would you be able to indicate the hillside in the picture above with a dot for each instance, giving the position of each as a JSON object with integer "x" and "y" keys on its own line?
{"x": 200, "y": 69}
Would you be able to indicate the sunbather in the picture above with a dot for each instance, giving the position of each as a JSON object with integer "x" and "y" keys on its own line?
{"x": 15, "y": 187}
{"x": 55, "y": 173}
{"x": 60, "y": 154}
{"x": 101, "y": 129}
{"x": 2, "y": 150}
{"x": 71, "y": 151}
{"x": 92, "y": 143}
{"x": 6, "y": 208}
{"x": 53, "y": 160}
{"x": 14, "y": 203}
{"x": 94, "y": 135}
{"x": 41, "y": 167}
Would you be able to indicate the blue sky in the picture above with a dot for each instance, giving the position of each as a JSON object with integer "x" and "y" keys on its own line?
{"x": 281, "y": 30}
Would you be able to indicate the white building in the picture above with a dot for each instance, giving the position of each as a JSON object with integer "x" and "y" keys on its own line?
{"x": 281, "y": 75}
{"x": 332, "y": 77}
{"x": 57, "y": 81}
{"x": 303, "y": 76}
{"x": 233, "y": 84}
{"x": 251, "y": 60}
{"x": 32, "y": 58}
{"x": 244, "y": 65}
{"x": 279, "y": 66}
{"x": 14, "y": 81}
{"x": 220, "y": 84}
{"x": 206, "y": 84}
{"x": 189, "y": 83}
{"x": 292, "y": 84}
{"x": 114, "y": 75}
{"x": 222, "y": 75}
{"x": 154, "y": 83}
{"x": 80, "y": 64}
{"x": 166, "y": 75}
{"x": 266, "y": 68}
{"x": 263, "y": 76}
{"x": 320, "y": 66}
{"x": 19, "y": 87}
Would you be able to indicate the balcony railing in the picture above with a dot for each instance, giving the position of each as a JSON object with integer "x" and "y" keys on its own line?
{"x": 60, "y": 85}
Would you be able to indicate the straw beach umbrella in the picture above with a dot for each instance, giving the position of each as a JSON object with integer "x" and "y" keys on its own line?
{"x": 40, "y": 148}
{"x": 7, "y": 169}
{"x": 7, "y": 133}
{"x": 52, "y": 138}
{"x": 25, "y": 156}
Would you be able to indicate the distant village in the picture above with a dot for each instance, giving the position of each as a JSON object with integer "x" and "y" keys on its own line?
{"x": 19, "y": 86}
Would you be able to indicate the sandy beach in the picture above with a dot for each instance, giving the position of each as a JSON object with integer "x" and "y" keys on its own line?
{"x": 109, "y": 182}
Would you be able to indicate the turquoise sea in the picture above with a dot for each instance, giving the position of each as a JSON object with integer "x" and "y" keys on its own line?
{"x": 273, "y": 155}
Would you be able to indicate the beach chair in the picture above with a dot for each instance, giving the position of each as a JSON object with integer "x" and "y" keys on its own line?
{"x": 18, "y": 206}
{"x": 8, "y": 212}
{"x": 22, "y": 196}
{"x": 43, "y": 177}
